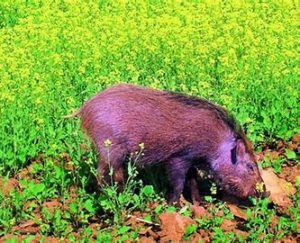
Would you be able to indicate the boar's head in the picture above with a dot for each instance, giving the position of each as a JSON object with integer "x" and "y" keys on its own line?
{"x": 235, "y": 169}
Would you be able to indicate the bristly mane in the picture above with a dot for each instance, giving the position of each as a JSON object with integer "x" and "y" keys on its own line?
{"x": 224, "y": 115}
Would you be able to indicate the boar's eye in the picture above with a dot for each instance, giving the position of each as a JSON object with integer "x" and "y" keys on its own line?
{"x": 233, "y": 155}
{"x": 250, "y": 167}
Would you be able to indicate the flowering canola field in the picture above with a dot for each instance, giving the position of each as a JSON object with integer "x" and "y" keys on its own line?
{"x": 54, "y": 55}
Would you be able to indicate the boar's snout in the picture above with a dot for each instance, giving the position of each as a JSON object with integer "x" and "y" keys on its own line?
{"x": 259, "y": 191}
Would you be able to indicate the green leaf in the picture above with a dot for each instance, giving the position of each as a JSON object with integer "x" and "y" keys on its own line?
{"x": 190, "y": 229}
{"x": 298, "y": 182}
{"x": 123, "y": 230}
{"x": 148, "y": 190}
{"x": 88, "y": 205}
{"x": 158, "y": 209}
{"x": 58, "y": 172}
{"x": 134, "y": 235}
{"x": 123, "y": 198}
{"x": 171, "y": 209}
{"x": 73, "y": 208}
{"x": 136, "y": 199}
{"x": 67, "y": 215}
{"x": 123, "y": 238}
{"x": 290, "y": 154}
{"x": 148, "y": 218}
{"x": 36, "y": 168}
{"x": 185, "y": 211}
{"x": 37, "y": 188}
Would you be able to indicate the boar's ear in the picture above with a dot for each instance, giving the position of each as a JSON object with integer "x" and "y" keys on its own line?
{"x": 233, "y": 155}
{"x": 240, "y": 147}
{"x": 238, "y": 150}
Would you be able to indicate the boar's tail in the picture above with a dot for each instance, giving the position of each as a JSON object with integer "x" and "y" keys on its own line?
{"x": 74, "y": 114}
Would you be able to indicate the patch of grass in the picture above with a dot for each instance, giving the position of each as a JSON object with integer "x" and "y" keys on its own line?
{"x": 276, "y": 164}
{"x": 259, "y": 219}
{"x": 53, "y": 57}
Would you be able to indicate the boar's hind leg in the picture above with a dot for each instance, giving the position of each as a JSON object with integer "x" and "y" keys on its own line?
{"x": 103, "y": 174}
{"x": 112, "y": 163}
{"x": 177, "y": 169}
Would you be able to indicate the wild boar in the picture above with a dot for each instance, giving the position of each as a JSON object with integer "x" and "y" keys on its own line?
{"x": 179, "y": 131}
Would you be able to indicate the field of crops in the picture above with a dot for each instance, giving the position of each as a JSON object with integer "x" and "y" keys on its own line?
{"x": 54, "y": 55}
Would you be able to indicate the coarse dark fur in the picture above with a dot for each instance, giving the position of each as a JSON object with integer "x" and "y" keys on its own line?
{"x": 181, "y": 132}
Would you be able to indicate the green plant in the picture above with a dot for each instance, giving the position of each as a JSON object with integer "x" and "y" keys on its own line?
{"x": 55, "y": 223}
{"x": 259, "y": 219}
{"x": 104, "y": 237}
{"x": 190, "y": 229}
{"x": 290, "y": 154}
{"x": 276, "y": 164}
{"x": 286, "y": 226}
{"x": 220, "y": 236}
{"x": 214, "y": 221}
{"x": 49, "y": 69}
{"x": 186, "y": 211}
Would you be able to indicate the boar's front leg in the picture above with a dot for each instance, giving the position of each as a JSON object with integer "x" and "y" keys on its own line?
{"x": 177, "y": 169}
{"x": 191, "y": 189}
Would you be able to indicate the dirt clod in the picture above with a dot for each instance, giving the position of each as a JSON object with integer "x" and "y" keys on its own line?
{"x": 146, "y": 240}
{"x": 28, "y": 227}
{"x": 199, "y": 211}
{"x": 8, "y": 186}
{"x": 173, "y": 226}
{"x": 237, "y": 212}
{"x": 228, "y": 225}
{"x": 280, "y": 189}
{"x": 290, "y": 173}
{"x": 52, "y": 205}
{"x": 296, "y": 139}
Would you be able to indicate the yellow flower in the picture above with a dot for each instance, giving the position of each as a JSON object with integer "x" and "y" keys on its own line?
{"x": 107, "y": 143}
